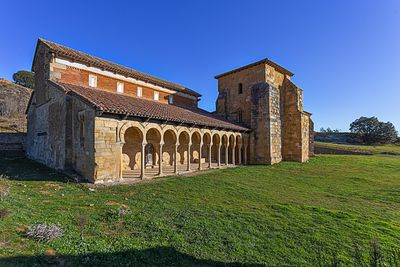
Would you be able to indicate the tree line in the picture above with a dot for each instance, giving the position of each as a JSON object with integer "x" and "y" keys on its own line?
{"x": 371, "y": 131}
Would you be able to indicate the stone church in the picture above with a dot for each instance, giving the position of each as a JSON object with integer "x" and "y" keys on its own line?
{"x": 108, "y": 122}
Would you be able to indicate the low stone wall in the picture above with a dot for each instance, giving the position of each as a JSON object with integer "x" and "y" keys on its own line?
{"x": 325, "y": 150}
{"x": 338, "y": 138}
{"x": 12, "y": 144}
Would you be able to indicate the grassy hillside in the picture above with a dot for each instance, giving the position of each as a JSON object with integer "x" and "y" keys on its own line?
{"x": 314, "y": 214}
{"x": 13, "y": 103}
{"x": 382, "y": 149}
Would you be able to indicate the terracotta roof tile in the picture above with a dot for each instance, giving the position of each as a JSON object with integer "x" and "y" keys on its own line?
{"x": 140, "y": 107}
{"x": 63, "y": 51}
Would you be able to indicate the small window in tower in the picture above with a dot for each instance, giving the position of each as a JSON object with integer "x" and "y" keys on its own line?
{"x": 170, "y": 99}
{"x": 92, "y": 80}
{"x": 120, "y": 87}
{"x": 156, "y": 95}
{"x": 240, "y": 89}
{"x": 240, "y": 116}
{"x": 139, "y": 92}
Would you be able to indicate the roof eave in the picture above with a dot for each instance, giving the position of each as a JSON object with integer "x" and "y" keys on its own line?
{"x": 262, "y": 61}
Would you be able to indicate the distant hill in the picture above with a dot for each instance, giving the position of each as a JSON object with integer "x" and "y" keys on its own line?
{"x": 14, "y": 100}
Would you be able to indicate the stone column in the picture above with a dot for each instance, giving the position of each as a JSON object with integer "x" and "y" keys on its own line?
{"x": 121, "y": 145}
{"x": 209, "y": 155}
{"x": 219, "y": 155}
{"x": 176, "y": 159}
{"x": 226, "y": 155}
{"x": 233, "y": 153}
{"x": 240, "y": 154}
{"x": 142, "y": 163}
{"x": 200, "y": 148}
{"x": 188, "y": 156}
{"x": 160, "y": 160}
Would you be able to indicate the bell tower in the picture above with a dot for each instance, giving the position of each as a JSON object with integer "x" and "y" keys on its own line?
{"x": 262, "y": 97}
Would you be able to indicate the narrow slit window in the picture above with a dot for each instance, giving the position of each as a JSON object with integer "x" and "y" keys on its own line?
{"x": 240, "y": 89}
{"x": 171, "y": 99}
{"x": 139, "y": 92}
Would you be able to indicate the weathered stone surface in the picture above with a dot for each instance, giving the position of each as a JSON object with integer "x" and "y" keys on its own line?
{"x": 265, "y": 141}
{"x": 57, "y": 138}
{"x": 272, "y": 106}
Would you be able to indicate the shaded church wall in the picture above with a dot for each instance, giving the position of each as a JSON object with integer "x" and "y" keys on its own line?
{"x": 46, "y": 128}
{"x": 81, "y": 135}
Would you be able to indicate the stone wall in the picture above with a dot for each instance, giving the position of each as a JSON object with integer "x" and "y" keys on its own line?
{"x": 229, "y": 101}
{"x": 272, "y": 107}
{"x": 12, "y": 144}
{"x": 311, "y": 143}
{"x": 265, "y": 138}
{"x": 305, "y": 139}
{"x": 41, "y": 67}
{"x": 55, "y": 135}
{"x": 46, "y": 129}
{"x": 296, "y": 124}
{"x": 80, "y": 138}
{"x": 108, "y": 150}
{"x": 339, "y": 138}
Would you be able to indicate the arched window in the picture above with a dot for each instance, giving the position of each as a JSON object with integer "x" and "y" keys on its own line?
{"x": 240, "y": 116}
{"x": 240, "y": 89}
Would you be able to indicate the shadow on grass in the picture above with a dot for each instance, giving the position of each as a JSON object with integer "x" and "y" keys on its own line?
{"x": 24, "y": 169}
{"x": 159, "y": 256}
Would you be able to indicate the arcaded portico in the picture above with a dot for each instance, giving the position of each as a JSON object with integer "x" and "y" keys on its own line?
{"x": 148, "y": 150}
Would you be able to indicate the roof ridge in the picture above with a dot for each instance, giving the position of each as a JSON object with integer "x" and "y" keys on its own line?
{"x": 91, "y": 59}
{"x": 264, "y": 60}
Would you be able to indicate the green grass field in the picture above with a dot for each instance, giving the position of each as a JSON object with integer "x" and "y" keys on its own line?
{"x": 381, "y": 149}
{"x": 309, "y": 214}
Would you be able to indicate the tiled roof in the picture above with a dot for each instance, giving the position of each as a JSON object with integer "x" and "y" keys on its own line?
{"x": 78, "y": 56}
{"x": 262, "y": 61}
{"x": 139, "y": 107}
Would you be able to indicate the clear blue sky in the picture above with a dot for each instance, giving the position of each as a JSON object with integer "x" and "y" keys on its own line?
{"x": 345, "y": 54}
